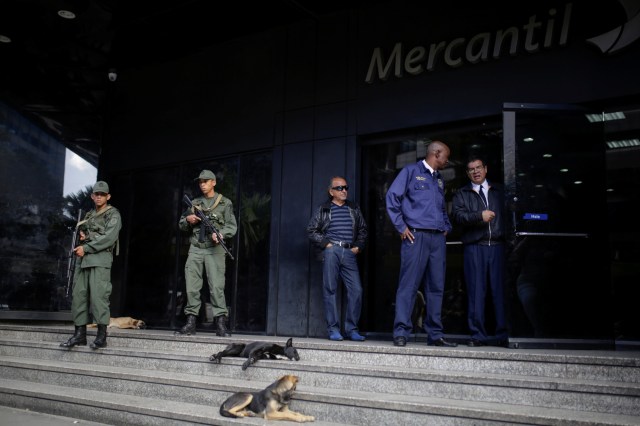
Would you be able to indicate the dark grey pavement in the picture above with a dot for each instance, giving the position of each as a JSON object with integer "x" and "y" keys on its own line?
{"x": 19, "y": 417}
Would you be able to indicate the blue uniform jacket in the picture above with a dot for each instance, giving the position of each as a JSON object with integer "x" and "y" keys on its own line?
{"x": 416, "y": 200}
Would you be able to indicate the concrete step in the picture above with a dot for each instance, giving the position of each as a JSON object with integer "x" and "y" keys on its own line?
{"x": 581, "y": 365}
{"x": 612, "y": 397}
{"x": 341, "y": 382}
{"x": 353, "y": 408}
{"x": 114, "y": 408}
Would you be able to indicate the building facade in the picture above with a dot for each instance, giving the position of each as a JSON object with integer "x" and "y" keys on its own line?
{"x": 547, "y": 91}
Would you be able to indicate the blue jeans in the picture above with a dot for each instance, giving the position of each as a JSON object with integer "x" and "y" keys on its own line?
{"x": 339, "y": 262}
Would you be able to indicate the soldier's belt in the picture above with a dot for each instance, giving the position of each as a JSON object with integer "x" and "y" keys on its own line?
{"x": 205, "y": 244}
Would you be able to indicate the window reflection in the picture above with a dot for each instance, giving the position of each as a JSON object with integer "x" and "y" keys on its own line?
{"x": 36, "y": 220}
{"x": 157, "y": 250}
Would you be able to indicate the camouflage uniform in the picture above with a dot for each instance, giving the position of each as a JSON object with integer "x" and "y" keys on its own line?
{"x": 92, "y": 273}
{"x": 92, "y": 277}
{"x": 208, "y": 254}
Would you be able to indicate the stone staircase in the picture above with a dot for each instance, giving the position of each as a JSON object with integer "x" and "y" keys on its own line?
{"x": 150, "y": 377}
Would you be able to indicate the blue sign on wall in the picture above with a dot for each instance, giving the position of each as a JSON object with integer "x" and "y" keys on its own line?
{"x": 536, "y": 216}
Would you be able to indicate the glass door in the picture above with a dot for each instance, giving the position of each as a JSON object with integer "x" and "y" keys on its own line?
{"x": 558, "y": 264}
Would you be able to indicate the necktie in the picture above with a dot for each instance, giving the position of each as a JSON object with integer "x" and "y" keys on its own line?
{"x": 481, "y": 192}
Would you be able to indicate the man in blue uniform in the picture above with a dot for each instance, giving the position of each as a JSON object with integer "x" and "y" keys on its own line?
{"x": 478, "y": 208}
{"x": 417, "y": 209}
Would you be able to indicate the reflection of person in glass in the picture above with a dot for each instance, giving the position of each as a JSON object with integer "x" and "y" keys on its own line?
{"x": 478, "y": 208}
{"x": 417, "y": 209}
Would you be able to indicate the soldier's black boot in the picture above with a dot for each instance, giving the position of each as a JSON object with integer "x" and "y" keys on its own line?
{"x": 189, "y": 328}
{"x": 78, "y": 339}
{"x": 101, "y": 337}
{"x": 221, "y": 322}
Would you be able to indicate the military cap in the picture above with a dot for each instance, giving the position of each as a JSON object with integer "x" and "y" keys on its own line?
{"x": 206, "y": 174}
{"x": 101, "y": 186}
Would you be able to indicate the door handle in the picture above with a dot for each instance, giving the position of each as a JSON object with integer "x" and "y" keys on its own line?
{"x": 551, "y": 234}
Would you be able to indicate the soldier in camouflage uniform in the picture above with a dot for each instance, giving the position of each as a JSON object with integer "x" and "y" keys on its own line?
{"x": 206, "y": 252}
{"x": 92, "y": 275}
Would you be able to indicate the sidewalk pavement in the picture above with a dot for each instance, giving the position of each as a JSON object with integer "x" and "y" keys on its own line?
{"x": 20, "y": 417}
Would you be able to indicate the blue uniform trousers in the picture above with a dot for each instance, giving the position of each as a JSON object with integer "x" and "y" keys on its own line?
{"x": 339, "y": 262}
{"x": 422, "y": 264}
{"x": 485, "y": 264}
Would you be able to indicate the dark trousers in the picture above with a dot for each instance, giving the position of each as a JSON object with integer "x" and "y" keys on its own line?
{"x": 484, "y": 268}
{"x": 422, "y": 265}
{"x": 340, "y": 262}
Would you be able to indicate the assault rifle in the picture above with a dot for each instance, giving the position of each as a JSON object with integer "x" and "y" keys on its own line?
{"x": 71, "y": 264}
{"x": 206, "y": 225}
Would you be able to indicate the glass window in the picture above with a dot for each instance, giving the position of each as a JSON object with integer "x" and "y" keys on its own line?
{"x": 151, "y": 201}
{"x": 38, "y": 213}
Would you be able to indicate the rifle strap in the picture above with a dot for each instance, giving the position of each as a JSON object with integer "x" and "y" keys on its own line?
{"x": 101, "y": 212}
{"x": 215, "y": 204}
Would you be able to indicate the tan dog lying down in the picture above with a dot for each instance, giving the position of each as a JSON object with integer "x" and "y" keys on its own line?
{"x": 123, "y": 322}
{"x": 271, "y": 403}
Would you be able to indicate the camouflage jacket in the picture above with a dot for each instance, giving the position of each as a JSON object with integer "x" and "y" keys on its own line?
{"x": 221, "y": 216}
{"x": 101, "y": 237}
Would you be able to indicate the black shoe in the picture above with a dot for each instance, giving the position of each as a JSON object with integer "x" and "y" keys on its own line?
{"x": 400, "y": 341}
{"x": 78, "y": 339}
{"x": 221, "y": 324}
{"x": 442, "y": 342}
{"x": 189, "y": 328}
{"x": 473, "y": 343}
{"x": 504, "y": 343}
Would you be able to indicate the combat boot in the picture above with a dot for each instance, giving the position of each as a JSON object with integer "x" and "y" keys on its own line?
{"x": 78, "y": 339}
{"x": 221, "y": 322}
{"x": 101, "y": 337}
{"x": 189, "y": 328}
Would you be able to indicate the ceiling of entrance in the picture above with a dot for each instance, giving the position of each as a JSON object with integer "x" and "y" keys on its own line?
{"x": 56, "y": 55}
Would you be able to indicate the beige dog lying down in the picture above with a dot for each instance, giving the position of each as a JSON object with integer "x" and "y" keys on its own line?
{"x": 124, "y": 322}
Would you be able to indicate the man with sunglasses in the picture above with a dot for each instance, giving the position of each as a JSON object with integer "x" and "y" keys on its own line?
{"x": 92, "y": 275}
{"x": 477, "y": 207}
{"x": 339, "y": 232}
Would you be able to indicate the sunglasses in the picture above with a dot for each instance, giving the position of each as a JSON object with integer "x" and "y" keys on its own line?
{"x": 340, "y": 188}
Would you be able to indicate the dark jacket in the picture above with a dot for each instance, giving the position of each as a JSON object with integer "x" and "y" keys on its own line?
{"x": 467, "y": 212}
{"x": 319, "y": 223}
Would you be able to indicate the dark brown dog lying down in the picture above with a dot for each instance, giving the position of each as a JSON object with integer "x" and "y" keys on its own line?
{"x": 124, "y": 322}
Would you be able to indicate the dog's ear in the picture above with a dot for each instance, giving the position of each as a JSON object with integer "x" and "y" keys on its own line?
{"x": 289, "y": 342}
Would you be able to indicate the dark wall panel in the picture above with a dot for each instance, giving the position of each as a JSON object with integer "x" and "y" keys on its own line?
{"x": 330, "y": 121}
{"x": 293, "y": 249}
{"x": 333, "y": 60}
{"x": 299, "y": 125}
{"x": 328, "y": 161}
{"x": 300, "y": 77}
{"x": 221, "y": 101}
